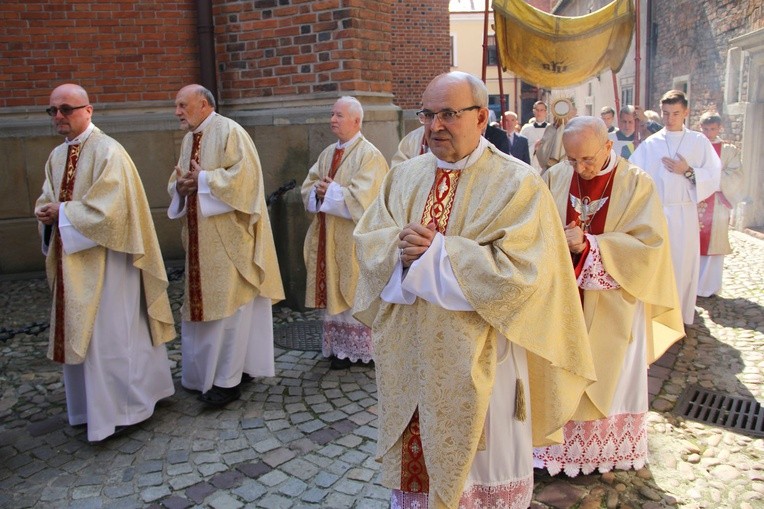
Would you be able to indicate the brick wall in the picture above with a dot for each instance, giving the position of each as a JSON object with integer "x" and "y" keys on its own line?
{"x": 287, "y": 47}
{"x": 136, "y": 50}
{"x": 140, "y": 50}
{"x": 421, "y": 48}
{"x": 690, "y": 37}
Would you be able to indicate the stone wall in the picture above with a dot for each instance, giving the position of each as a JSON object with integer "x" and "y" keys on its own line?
{"x": 280, "y": 65}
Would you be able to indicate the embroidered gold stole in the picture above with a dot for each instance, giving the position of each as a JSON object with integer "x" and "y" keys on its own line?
{"x": 64, "y": 194}
{"x": 194, "y": 275}
{"x": 321, "y": 251}
{"x": 437, "y": 210}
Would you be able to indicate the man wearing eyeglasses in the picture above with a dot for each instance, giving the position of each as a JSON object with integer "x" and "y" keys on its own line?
{"x": 468, "y": 291}
{"x": 232, "y": 274}
{"x": 338, "y": 188}
{"x": 111, "y": 315}
{"x": 618, "y": 242}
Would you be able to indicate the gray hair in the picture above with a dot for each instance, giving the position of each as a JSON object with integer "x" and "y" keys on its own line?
{"x": 581, "y": 125}
{"x": 627, "y": 110}
{"x": 354, "y": 105}
{"x": 202, "y": 91}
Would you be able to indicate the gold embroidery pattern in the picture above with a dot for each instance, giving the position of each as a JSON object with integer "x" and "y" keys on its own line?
{"x": 437, "y": 210}
{"x": 64, "y": 194}
{"x": 194, "y": 269}
{"x": 321, "y": 251}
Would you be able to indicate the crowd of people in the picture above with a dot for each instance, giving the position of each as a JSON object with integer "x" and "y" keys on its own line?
{"x": 510, "y": 305}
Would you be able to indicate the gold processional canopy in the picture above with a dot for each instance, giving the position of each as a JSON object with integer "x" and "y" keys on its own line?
{"x": 558, "y": 51}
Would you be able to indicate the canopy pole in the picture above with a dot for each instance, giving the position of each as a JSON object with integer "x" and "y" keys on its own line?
{"x": 485, "y": 40}
{"x": 615, "y": 92}
{"x": 637, "y": 63}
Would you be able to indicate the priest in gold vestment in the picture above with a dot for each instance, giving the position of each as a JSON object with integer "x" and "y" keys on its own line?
{"x": 111, "y": 315}
{"x": 618, "y": 240}
{"x": 412, "y": 145}
{"x": 232, "y": 274}
{"x": 468, "y": 292}
{"x": 338, "y": 189}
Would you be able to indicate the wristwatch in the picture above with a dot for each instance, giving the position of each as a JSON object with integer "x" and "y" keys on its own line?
{"x": 690, "y": 174}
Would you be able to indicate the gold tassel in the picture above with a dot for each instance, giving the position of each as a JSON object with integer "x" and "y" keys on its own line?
{"x": 519, "y": 400}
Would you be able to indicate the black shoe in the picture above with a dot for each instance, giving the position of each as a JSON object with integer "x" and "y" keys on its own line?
{"x": 220, "y": 396}
{"x": 338, "y": 363}
{"x": 246, "y": 378}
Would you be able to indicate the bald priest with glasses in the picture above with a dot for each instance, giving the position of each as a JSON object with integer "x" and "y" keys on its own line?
{"x": 111, "y": 315}
{"x": 469, "y": 293}
{"x": 618, "y": 240}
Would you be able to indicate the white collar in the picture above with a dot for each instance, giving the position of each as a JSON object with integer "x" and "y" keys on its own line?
{"x": 467, "y": 161}
{"x": 84, "y": 135}
{"x": 205, "y": 123}
{"x": 610, "y": 165}
{"x": 341, "y": 145}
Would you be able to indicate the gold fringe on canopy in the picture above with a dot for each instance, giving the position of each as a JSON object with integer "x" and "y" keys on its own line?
{"x": 558, "y": 51}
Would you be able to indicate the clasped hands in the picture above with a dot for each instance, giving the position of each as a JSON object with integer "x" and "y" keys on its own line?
{"x": 322, "y": 187}
{"x": 188, "y": 183}
{"x": 575, "y": 237}
{"x": 413, "y": 241}
{"x": 48, "y": 213}
{"x": 678, "y": 166}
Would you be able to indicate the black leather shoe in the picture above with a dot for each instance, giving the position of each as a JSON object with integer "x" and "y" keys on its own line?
{"x": 338, "y": 363}
{"x": 220, "y": 396}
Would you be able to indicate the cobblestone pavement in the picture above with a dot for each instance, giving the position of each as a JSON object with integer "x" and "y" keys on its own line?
{"x": 306, "y": 437}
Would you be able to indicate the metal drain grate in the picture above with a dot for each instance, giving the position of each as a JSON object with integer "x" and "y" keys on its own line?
{"x": 306, "y": 335}
{"x": 745, "y": 415}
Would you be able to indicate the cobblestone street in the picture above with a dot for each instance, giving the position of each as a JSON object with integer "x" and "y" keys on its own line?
{"x": 306, "y": 437}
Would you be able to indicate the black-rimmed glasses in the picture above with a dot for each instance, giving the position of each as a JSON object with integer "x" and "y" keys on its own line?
{"x": 65, "y": 110}
{"x": 446, "y": 116}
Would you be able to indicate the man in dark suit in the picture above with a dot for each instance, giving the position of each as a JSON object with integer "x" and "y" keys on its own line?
{"x": 518, "y": 144}
{"x": 498, "y": 137}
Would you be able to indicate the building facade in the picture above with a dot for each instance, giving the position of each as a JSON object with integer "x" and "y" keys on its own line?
{"x": 275, "y": 66}
{"x": 713, "y": 51}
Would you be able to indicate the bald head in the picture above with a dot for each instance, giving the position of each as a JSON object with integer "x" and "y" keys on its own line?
{"x": 193, "y": 104}
{"x": 465, "y": 97}
{"x": 587, "y": 147}
{"x": 73, "y": 98}
{"x": 586, "y": 126}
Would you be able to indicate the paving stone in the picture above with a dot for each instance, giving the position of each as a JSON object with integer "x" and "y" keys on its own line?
{"x": 254, "y": 470}
{"x": 200, "y": 491}
{"x": 250, "y": 490}
{"x": 176, "y": 502}
{"x": 222, "y": 500}
{"x": 227, "y": 480}
{"x": 293, "y": 488}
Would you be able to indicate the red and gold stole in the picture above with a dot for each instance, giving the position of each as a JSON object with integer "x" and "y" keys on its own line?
{"x": 588, "y": 191}
{"x": 437, "y": 210}
{"x": 706, "y": 211}
{"x": 321, "y": 251}
{"x": 194, "y": 276}
{"x": 64, "y": 194}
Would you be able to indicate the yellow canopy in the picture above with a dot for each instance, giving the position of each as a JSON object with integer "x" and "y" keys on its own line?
{"x": 558, "y": 51}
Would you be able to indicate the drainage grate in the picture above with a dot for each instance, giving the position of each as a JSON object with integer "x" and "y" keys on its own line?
{"x": 745, "y": 415}
{"x": 306, "y": 335}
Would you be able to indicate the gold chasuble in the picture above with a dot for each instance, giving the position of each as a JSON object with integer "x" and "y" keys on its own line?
{"x": 105, "y": 201}
{"x": 635, "y": 252}
{"x": 329, "y": 250}
{"x": 513, "y": 267}
{"x": 230, "y": 257}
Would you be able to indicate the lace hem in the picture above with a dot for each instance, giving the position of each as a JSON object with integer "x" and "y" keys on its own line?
{"x": 593, "y": 275}
{"x": 347, "y": 341}
{"x": 508, "y": 495}
{"x": 616, "y": 442}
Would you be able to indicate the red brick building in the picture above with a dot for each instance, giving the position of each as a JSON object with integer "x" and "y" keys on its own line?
{"x": 276, "y": 66}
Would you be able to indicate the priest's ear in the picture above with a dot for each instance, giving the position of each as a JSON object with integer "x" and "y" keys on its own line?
{"x": 483, "y": 116}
